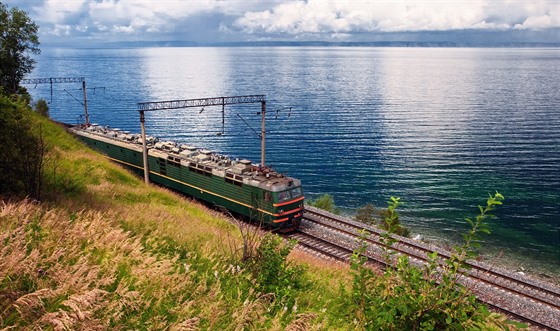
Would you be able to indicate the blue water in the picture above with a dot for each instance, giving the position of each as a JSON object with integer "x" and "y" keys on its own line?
{"x": 439, "y": 128}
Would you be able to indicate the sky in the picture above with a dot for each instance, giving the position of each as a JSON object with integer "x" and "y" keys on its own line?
{"x": 92, "y": 22}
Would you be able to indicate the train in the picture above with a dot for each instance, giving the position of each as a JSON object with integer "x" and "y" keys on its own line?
{"x": 253, "y": 191}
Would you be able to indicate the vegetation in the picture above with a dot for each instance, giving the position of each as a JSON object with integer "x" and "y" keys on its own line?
{"x": 23, "y": 150}
{"x": 428, "y": 298}
{"x": 368, "y": 214}
{"x": 274, "y": 274}
{"x": 325, "y": 202}
{"x": 104, "y": 251}
{"x": 42, "y": 107}
{"x": 18, "y": 38}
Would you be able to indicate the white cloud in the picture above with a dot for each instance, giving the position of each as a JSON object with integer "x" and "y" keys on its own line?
{"x": 56, "y": 11}
{"x": 60, "y": 30}
{"x": 535, "y": 23}
{"x": 317, "y": 16}
{"x": 124, "y": 29}
{"x": 112, "y": 20}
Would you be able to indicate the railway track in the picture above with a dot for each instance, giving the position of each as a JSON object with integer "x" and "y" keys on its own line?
{"x": 512, "y": 294}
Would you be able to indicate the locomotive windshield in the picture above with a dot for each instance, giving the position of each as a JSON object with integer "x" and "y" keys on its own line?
{"x": 289, "y": 194}
{"x": 296, "y": 192}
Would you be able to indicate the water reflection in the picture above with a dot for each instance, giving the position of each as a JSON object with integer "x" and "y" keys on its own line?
{"x": 438, "y": 127}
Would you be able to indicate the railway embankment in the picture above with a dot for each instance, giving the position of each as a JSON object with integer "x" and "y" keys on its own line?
{"x": 102, "y": 250}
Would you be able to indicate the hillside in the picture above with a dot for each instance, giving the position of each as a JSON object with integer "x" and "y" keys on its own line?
{"x": 104, "y": 251}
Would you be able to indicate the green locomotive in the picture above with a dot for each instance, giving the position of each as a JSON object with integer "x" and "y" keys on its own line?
{"x": 259, "y": 193}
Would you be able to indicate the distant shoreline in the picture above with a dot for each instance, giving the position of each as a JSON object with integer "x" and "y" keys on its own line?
{"x": 415, "y": 44}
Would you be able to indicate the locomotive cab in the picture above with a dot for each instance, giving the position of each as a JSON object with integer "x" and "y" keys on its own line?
{"x": 288, "y": 208}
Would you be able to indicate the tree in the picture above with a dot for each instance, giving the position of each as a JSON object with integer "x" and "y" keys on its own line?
{"x": 23, "y": 150}
{"x": 18, "y": 38}
{"x": 42, "y": 107}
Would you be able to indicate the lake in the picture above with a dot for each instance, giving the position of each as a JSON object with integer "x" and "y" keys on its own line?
{"x": 441, "y": 128}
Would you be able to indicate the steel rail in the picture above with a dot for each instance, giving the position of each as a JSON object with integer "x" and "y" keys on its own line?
{"x": 553, "y": 303}
{"x": 320, "y": 245}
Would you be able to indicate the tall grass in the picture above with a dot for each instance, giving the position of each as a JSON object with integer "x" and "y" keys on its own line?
{"x": 104, "y": 251}
{"x": 82, "y": 270}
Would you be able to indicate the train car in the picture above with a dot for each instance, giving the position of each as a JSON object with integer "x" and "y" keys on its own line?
{"x": 259, "y": 193}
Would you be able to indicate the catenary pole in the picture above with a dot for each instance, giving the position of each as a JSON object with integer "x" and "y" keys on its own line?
{"x": 263, "y": 131}
{"x": 85, "y": 103}
{"x": 204, "y": 102}
{"x": 144, "y": 149}
{"x": 58, "y": 80}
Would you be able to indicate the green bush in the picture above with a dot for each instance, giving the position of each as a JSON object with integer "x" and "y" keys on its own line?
{"x": 42, "y": 107}
{"x": 368, "y": 214}
{"x": 22, "y": 151}
{"x": 325, "y": 202}
{"x": 273, "y": 273}
{"x": 406, "y": 297}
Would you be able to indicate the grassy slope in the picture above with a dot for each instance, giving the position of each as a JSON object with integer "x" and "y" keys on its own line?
{"x": 106, "y": 251}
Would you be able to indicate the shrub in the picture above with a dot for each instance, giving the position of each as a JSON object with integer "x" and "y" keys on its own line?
{"x": 23, "y": 150}
{"x": 273, "y": 273}
{"x": 391, "y": 222}
{"x": 366, "y": 214}
{"x": 325, "y": 202}
{"x": 369, "y": 215}
{"x": 406, "y": 297}
{"x": 42, "y": 107}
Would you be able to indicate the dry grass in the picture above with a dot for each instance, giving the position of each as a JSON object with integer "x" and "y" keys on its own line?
{"x": 302, "y": 322}
{"x": 107, "y": 252}
{"x": 40, "y": 254}
{"x": 70, "y": 270}
{"x": 91, "y": 271}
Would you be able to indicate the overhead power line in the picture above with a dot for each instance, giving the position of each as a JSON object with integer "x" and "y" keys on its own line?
{"x": 58, "y": 80}
{"x": 219, "y": 101}
{"x": 53, "y": 80}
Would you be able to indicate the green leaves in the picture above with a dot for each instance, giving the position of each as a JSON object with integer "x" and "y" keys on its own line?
{"x": 429, "y": 298}
{"x": 325, "y": 202}
{"x": 273, "y": 273}
{"x": 18, "y": 38}
{"x": 23, "y": 150}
